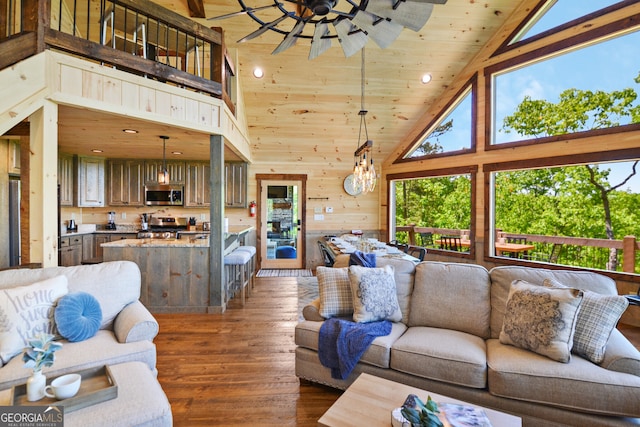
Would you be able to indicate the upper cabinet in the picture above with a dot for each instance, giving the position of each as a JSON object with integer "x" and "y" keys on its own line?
{"x": 124, "y": 179}
{"x": 153, "y": 167}
{"x": 90, "y": 182}
{"x": 197, "y": 187}
{"x": 65, "y": 179}
{"x": 235, "y": 184}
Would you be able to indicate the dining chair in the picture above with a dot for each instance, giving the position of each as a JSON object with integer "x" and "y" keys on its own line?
{"x": 450, "y": 243}
{"x": 427, "y": 239}
{"x": 402, "y": 246}
{"x": 417, "y": 252}
{"x": 518, "y": 241}
{"x": 327, "y": 257}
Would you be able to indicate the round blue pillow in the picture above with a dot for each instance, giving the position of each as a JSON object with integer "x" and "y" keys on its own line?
{"x": 78, "y": 316}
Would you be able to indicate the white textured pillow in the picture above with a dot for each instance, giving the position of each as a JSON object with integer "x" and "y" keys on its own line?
{"x": 598, "y": 316}
{"x": 541, "y": 319}
{"x": 334, "y": 291}
{"x": 26, "y": 311}
{"x": 374, "y": 294}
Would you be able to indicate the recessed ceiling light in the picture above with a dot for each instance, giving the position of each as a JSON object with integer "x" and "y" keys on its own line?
{"x": 176, "y": 152}
{"x": 258, "y": 73}
{"x": 129, "y": 131}
{"x": 426, "y": 78}
{"x": 96, "y": 150}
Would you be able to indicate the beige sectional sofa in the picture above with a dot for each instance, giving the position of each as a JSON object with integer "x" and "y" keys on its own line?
{"x": 127, "y": 330}
{"x": 449, "y": 343}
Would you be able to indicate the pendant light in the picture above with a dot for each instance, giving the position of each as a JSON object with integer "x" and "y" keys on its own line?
{"x": 163, "y": 175}
{"x": 364, "y": 172}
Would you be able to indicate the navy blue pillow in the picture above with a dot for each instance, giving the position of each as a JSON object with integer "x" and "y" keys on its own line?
{"x": 78, "y": 316}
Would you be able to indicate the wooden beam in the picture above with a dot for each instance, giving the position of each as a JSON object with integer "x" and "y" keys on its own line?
{"x": 21, "y": 129}
{"x": 196, "y": 9}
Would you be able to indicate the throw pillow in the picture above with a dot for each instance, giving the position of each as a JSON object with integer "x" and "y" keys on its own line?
{"x": 374, "y": 294}
{"x": 541, "y": 319}
{"x": 26, "y": 311}
{"x": 598, "y": 316}
{"x": 334, "y": 291}
{"x": 78, "y": 316}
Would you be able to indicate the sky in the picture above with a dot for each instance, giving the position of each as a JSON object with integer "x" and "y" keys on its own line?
{"x": 609, "y": 65}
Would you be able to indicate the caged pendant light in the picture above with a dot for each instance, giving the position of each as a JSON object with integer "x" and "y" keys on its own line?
{"x": 163, "y": 175}
{"x": 364, "y": 171}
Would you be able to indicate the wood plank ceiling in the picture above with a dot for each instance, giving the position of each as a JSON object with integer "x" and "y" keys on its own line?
{"x": 307, "y": 111}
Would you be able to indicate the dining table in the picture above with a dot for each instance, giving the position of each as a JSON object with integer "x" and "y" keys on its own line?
{"x": 500, "y": 246}
{"x": 382, "y": 251}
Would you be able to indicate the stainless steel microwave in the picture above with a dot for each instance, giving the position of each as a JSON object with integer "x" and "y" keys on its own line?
{"x": 163, "y": 195}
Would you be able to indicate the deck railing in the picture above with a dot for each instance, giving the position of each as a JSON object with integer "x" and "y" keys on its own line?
{"x": 573, "y": 251}
{"x": 137, "y": 36}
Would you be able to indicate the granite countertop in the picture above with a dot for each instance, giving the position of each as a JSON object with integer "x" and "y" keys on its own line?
{"x": 158, "y": 243}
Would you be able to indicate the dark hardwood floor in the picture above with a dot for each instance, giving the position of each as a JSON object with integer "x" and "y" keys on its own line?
{"x": 237, "y": 368}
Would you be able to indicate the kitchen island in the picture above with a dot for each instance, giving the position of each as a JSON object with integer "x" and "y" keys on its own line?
{"x": 174, "y": 272}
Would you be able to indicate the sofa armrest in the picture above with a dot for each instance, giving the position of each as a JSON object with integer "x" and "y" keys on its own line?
{"x": 621, "y": 355}
{"x": 135, "y": 323}
{"x": 311, "y": 311}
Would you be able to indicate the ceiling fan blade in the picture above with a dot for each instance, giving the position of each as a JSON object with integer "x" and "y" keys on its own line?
{"x": 381, "y": 31}
{"x": 318, "y": 44}
{"x": 291, "y": 38}
{"x": 351, "y": 41}
{"x": 263, "y": 29}
{"x": 410, "y": 14}
{"x": 242, "y": 12}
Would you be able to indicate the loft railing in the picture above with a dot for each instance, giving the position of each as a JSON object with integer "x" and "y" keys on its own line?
{"x": 575, "y": 251}
{"x": 133, "y": 35}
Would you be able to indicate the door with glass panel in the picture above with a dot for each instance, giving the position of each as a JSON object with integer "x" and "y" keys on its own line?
{"x": 281, "y": 224}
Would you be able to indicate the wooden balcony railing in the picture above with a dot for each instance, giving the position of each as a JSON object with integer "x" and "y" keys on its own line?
{"x": 133, "y": 35}
{"x": 575, "y": 251}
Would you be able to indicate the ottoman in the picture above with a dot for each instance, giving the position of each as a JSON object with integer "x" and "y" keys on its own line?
{"x": 140, "y": 402}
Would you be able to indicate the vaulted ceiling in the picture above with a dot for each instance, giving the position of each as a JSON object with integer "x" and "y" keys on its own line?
{"x": 307, "y": 110}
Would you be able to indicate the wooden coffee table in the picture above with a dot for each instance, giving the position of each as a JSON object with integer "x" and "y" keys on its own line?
{"x": 370, "y": 400}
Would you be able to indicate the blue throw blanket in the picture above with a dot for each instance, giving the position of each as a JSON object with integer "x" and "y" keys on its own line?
{"x": 341, "y": 343}
{"x": 360, "y": 258}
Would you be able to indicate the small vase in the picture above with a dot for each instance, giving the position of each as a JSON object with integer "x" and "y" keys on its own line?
{"x": 35, "y": 386}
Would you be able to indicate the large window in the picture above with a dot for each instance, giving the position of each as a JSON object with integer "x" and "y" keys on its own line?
{"x": 440, "y": 205}
{"x": 571, "y": 215}
{"x": 594, "y": 87}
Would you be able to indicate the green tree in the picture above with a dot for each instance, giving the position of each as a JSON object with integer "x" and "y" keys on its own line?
{"x": 578, "y": 110}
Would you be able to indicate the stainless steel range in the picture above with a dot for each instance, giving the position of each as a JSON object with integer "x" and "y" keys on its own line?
{"x": 163, "y": 227}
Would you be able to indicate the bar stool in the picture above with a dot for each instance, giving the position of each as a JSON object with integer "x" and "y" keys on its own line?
{"x": 236, "y": 266}
{"x": 251, "y": 250}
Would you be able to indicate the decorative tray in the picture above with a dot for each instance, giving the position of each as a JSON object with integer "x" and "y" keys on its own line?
{"x": 98, "y": 385}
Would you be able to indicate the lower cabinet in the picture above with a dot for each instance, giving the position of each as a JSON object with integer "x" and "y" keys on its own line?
{"x": 70, "y": 251}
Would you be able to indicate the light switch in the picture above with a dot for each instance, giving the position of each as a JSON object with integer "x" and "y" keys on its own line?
{"x": 318, "y": 217}
{"x": 329, "y": 209}
{"x": 124, "y": 215}
{"x": 317, "y": 210}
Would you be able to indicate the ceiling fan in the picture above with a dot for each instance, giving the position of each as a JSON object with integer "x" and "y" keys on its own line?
{"x": 352, "y": 22}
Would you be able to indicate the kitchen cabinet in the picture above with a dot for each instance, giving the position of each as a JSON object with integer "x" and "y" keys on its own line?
{"x": 65, "y": 179}
{"x": 235, "y": 184}
{"x": 175, "y": 169}
{"x": 70, "y": 251}
{"x": 88, "y": 246}
{"x": 100, "y": 238}
{"x": 90, "y": 181}
{"x": 197, "y": 186}
{"x": 125, "y": 186}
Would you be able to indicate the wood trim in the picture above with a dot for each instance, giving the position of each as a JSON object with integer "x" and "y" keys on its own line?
{"x": 432, "y": 173}
{"x": 473, "y": 83}
{"x": 18, "y": 47}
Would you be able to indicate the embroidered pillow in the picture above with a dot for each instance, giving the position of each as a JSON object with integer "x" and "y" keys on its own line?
{"x": 598, "y": 316}
{"x": 541, "y": 319}
{"x": 334, "y": 292}
{"x": 78, "y": 316}
{"x": 374, "y": 294}
{"x": 26, "y": 311}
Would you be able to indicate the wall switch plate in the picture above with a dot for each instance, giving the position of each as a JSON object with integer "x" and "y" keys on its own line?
{"x": 317, "y": 210}
{"x": 318, "y": 217}
{"x": 329, "y": 209}
{"x": 202, "y": 217}
{"x": 124, "y": 215}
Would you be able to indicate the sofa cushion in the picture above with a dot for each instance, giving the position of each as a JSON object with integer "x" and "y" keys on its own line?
{"x": 442, "y": 287}
{"x": 442, "y": 355}
{"x": 598, "y": 316}
{"x": 541, "y": 319}
{"x": 78, "y": 316}
{"x": 578, "y": 385}
{"x": 335, "y": 292}
{"x": 378, "y": 353}
{"x": 403, "y": 273}
{"x": 26, "y": 311}
{"x": 502, "y": 277}
{"x": 374, "y": 294}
